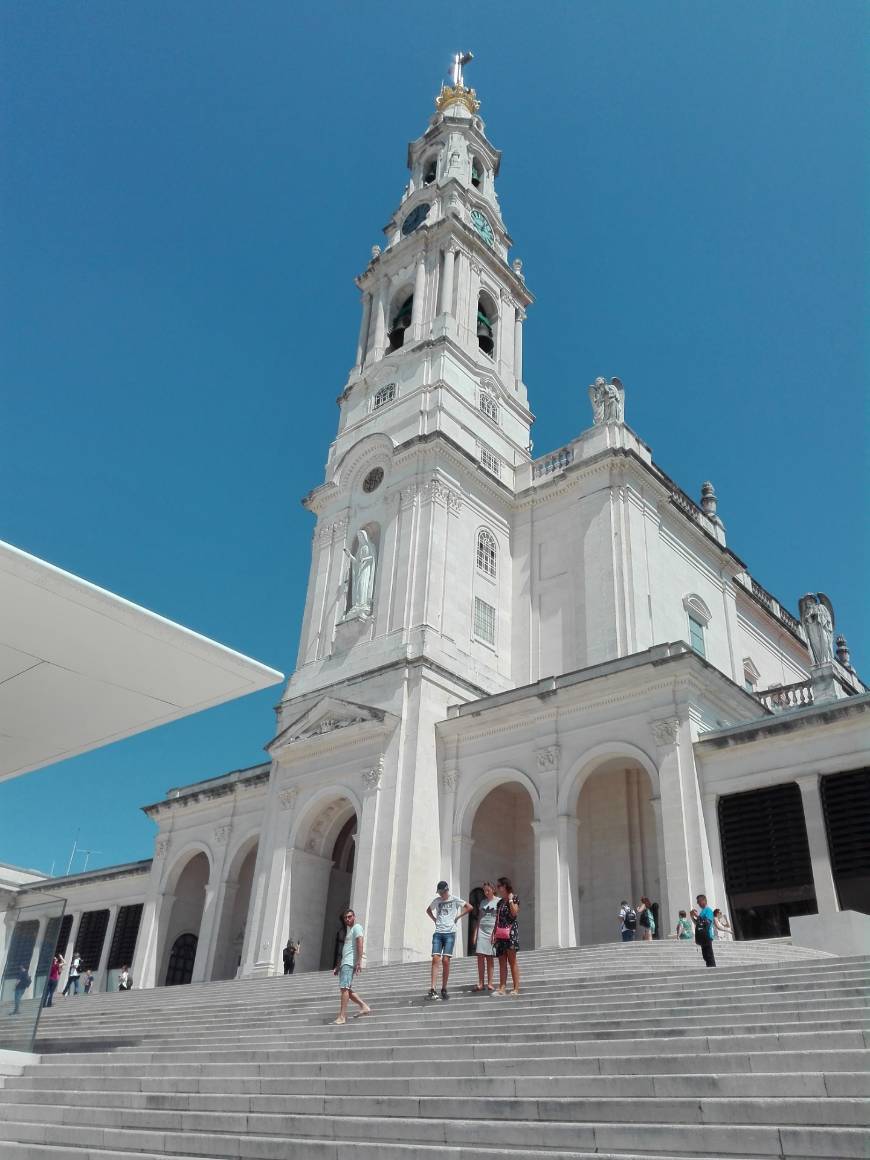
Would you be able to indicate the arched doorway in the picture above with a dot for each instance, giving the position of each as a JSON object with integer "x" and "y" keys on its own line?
{"x": 190, "y": 879}
{"x": 504, "y": 846}
{"x": 617, "y": 847}
{"x": 182, "y": 956}
{"x": 321, "y": 880}
{"x": 234, "y": 917}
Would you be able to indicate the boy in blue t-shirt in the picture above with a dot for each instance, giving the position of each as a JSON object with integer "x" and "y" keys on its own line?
{"x": 703, "y": 920}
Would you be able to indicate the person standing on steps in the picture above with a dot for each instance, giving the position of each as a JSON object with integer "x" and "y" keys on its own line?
{"x": 445, "y": 911}
{"x": 53, "y": 980}
{"x": 75, "y": 970}
{"x": 289, "y": 956}
{"x": 627, "y": 921}
{"x": 702, "y": 917}
{"x": 484, "y": 927}
{"x": 684, "y": 926}
{"x": 22, "y": 982}
{"x": 646, "y": 919}
{"x": 722, "y": 926}
{"x": 506, "y": 938}
{"x": 351, "y": 964}
{"x": 125, "y": 980}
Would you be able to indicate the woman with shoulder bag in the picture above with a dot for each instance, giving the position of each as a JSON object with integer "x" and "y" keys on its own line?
{"x": 506, "y": 937}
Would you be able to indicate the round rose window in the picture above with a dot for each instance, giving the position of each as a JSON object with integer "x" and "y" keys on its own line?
{"x": 373, "y": 479}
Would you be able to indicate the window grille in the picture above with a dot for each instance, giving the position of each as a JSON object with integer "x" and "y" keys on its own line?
{"x": 383, "y": 396}
{"x": 124, "y": 938}
{"x": 489, "y": 407}
{"x": 696, "y": 636}
{"x": 484, "y": 621}
{"x": 490, "y": 461}
{"x": 486, "y": 552}
{"x": 90, "y": 936}
{"x": 63, "y": 934}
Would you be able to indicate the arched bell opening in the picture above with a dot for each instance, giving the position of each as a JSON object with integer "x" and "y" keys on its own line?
{"x": 617, "y": 849}
{"x": 430, "y": 169}
{"x": 487, "y": 318}
{"x": 477, "y": 173}
{"x": 400, "y": 323}
{"x": 504, "y": 847}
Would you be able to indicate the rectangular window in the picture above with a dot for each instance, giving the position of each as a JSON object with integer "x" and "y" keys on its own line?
{"x": 383, "y": 396}
{"x": 490, "y": 461}
{"x": 124, "y": 939}
{"x": 696, "y": 636}
{"x": 484, "y": 621}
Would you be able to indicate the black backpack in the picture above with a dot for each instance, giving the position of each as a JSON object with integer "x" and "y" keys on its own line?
{"x": 629, "y": 920}
{"x": 702, "y": 931}
{"x": 644, "y": 917}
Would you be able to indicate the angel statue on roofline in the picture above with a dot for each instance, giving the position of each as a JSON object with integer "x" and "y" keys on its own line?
{"x": 817, "y": 617}
{"x": 608, "y": 401}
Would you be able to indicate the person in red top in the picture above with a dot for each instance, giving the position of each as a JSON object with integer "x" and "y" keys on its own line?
{"x": 53, "y": 980}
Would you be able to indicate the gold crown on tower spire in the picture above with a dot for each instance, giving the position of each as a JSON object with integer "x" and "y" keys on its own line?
{"x": 458, "y": 93}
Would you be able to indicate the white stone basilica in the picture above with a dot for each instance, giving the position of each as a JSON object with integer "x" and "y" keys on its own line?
{"x": 554, "y": 668}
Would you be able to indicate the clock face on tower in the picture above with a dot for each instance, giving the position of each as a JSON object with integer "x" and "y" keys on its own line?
{"x": 415, "y": 218}
{"x": 481, "y": 224}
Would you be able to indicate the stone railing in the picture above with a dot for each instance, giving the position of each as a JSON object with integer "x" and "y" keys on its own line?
{"x": 773, "y": 606}
{"x": 687, "y": 505}
{"x": 550, "y": 464}
{"x": 765, "y": 597}
{"x": 787, "y": 696}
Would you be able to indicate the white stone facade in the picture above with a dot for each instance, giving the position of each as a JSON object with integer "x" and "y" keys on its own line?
{"x": 491, "y": 676}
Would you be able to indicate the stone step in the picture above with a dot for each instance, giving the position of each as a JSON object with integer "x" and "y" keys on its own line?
{"x": 271, "y": 1078}
{"x": 423, "y": 1088}
{"x": 500, "y": 1137}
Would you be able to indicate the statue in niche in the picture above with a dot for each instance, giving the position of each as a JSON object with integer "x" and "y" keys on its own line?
{"x": 361, "y": 575}
{"x": 817, "y": 617}
{"x": 608, "y": 401}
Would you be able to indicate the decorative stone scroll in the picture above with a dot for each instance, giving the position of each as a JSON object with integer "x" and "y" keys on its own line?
{"x": 161, "y": 848}
{"x": 449, "y": 779}
{"x": 222, "y": 834}
{"x": 665, "y": 731}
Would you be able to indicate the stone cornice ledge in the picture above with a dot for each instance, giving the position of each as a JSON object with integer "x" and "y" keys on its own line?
{"x": 827, "y": 713}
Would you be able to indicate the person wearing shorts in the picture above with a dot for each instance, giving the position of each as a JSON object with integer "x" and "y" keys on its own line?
{"x": 349, "y": 965}
{"x": 445, "y": 911}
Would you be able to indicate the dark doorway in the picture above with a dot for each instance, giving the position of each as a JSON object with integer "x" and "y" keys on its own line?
{"x": 846, "y": 802}
{"x": 768, "y": 872}
{"x": 181, "y": 959}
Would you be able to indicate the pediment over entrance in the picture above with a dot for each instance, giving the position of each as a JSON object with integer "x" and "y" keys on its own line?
{"x": 326, "y": 717}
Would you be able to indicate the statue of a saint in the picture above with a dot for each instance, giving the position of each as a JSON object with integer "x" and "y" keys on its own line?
{"x": 817, "y": 617}
{"x": 361, "y": 580}
{"x": 608, "y": 401}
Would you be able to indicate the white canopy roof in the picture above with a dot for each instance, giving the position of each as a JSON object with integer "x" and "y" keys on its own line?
{"x": 80, "y": 667}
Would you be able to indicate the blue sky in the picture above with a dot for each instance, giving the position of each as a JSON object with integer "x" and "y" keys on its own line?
{"x": 189, "y": 189}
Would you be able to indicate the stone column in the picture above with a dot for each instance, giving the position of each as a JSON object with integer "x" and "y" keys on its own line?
{"x": 505, "y": 336}
{"x": 448, "y": 782}
{"x": 518, "y": 344}
{"x": 379, "y": 343}
{"x": 207, "y": 926}
{"x": 367, "y": 826}
{"x": 446, "y": 297}
{"x": 267, "y": 910}
{"x": 100, "y": 981}
{"x": 817, "y": 838}
{"x": 363, "y": 341}
{"x": 568, "y": 834}
{"x": 711, "y": 824}
{"x": 419, "y": 296}
{"x": 460, "y": 882}
{"x": 547, "y": 882}
{"x": 149, "y": 943}
{"x": 70, "y": 946}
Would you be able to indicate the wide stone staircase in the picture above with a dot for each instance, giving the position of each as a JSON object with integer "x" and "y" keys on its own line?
{"x": 623, "y": 1051}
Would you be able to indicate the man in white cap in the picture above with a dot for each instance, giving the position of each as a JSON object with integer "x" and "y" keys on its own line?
{"x": 445, "y": 911}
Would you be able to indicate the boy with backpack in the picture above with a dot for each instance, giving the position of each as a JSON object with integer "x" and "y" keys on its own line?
{"x": 703, "y": 920}
{"x": 627, "y": 921}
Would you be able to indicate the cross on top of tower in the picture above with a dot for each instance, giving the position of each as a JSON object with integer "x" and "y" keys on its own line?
{"x": 458, "y": 93}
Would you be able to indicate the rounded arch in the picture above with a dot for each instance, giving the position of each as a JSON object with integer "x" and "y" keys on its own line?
{"x": 697, "y": 607}
{"x": 486, "y": 322}
{"x": 429, "y": 168}
{"x": 598, "y": 755}
{"x": 233, "y": 920}
{"x": 399, "y": 317}
{"x": 469, "y": 801}
{"x": 181, "y": 861}
{"x": 479, "y": 172}
{"x": 375, "y": 450}
{"x": 321, "y": 817}
{"x": 486, "y": 552}
{"x": 241, "y": 850}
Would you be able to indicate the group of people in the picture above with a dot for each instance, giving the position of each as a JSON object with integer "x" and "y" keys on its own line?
{"x": 702, "y": 924}
{"x": 78, "y": 977}
{"x": 496, "y": 935}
